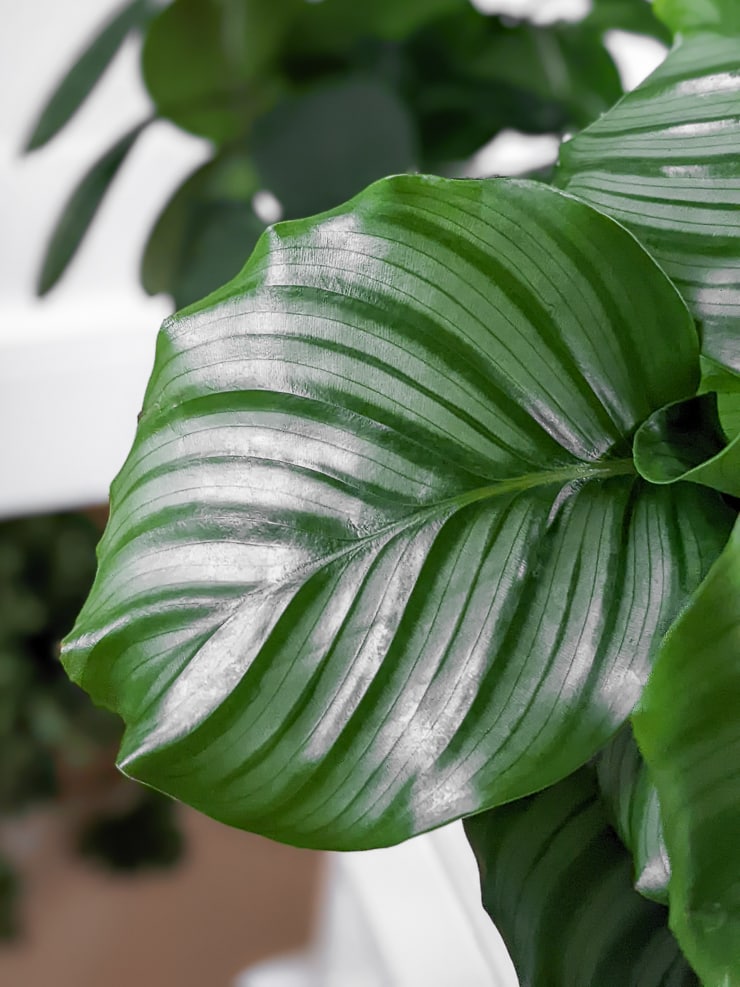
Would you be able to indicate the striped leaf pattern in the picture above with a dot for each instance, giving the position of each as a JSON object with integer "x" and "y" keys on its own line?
{"x": 665, "y": 161}
{"x": 379, "y": 557}
{"x": 557, "y": 883}
{"x": 632, "y": 803}
{"x": 688, "y": 729}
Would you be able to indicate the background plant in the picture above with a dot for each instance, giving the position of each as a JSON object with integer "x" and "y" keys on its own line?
{"x": 49, "y": 730}
{"x": 436, "y": 494}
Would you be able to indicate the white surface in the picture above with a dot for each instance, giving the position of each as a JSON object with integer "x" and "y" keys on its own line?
{"x": 408, "y": 916}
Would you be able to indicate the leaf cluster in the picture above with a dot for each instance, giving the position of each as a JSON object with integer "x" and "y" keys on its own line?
{"x": 432, "y": 507}
{"x": 315, "y": 101}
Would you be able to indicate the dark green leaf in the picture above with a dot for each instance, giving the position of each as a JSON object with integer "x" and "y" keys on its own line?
{"x": 632, "y": 802}
{"x": 379, "y": 557}
{"x": 336, "y": 24}
{"x": 726, "y": 384}
{"x": 208, "y": 63}
{"x": 666, "y": 163}
{"x": 205, "y": 232}
{"x": 686, "y": 441}
{"x": 689, "y": 731}
{"x": 319, "y": 149}
{"x": 81, "y": 78}
{"x": 700, "y": 15}
{"x": 557, "y": 883}
{"x": 79, "y": 211}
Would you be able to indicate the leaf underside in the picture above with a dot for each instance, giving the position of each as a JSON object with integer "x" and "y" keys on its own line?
{"x": 379, "y": 557}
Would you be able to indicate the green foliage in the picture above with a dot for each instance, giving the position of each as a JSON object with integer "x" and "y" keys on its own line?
{"x": 83, "y": 75}
{"x": 322, "y": 98}
{"x": 688, "y": 727}
{"x": 79, "y": 211}
{"x": 663, "y": 162}
{"x": 436, "y": 492}
{"x": 558, "y": 885}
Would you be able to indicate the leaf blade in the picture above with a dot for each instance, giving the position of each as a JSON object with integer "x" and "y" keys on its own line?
{"x": 557, "y": 884}
{"x": 687, "y": 729}
{"x": 80, "y": 209}
{"x": 82, "y": 76}
{"x": 663, "y": 162}
{"x": 416, "y": 397}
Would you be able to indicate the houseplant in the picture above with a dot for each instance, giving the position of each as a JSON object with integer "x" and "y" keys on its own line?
{"x": 432, "y": 512}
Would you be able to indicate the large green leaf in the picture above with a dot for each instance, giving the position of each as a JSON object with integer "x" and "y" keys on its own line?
{"x": 322, "y": 147}
{"x": 557, "y": 883}
{"x": 632, "y": 802}
{"x": 80, "y": 209}
{"x": 379, "y": 557}
{"x": 666, "y": 163}
{"x": 81, "y": 78}
{"x": 686, "y": 441}
{"x": 689, "y": 731}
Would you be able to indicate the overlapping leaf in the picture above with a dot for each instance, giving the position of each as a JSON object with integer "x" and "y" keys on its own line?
{"x": 379, "y": 557}
{"x": 665, "y": 161}
{"x": 689, "y": 731}
{"x": 686, "y": 441}
{"x": 631, "y": 801}
{"x": 558, "y": 885}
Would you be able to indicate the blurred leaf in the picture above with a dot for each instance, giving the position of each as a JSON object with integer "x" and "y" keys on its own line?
{"x": 688, "y": 728}
{"x": 635, "y": 16}
{"x": 685, "y": 442}
{"x": 565, "y": 64}
{"x": 557, "y": 884}
{"x": 81, "y": 78}
{"x": 468, "y": 77}
{"x": 335, "y": 24}
{"x": 79, "y": 210}
{"x": 700, "y": 15}
{"x": 632, "y": 802}
{"x": 321, "y": 148}
{"x": 665, "y": 162}
{"x": 208, "y": 64}
{"x": 206, "y": 231}
{"x": 381, "y": 522}
{"x": 143, "y": 838}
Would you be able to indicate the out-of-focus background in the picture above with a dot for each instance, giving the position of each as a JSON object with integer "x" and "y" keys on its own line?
{"x": 253, "y": 111}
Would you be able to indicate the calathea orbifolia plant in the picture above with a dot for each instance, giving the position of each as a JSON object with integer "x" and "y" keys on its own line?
{"x": 431, "y": 514}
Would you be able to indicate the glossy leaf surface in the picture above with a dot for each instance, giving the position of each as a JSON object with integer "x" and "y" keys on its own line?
{"x": 379, "y": 557}
{"x": 689, "y": 731}
{"x": 79, "y": 210}
{"x": 557, "y": 883}
{"x": 726, "y": 384}
{"x": 665, "y": 161}
{"x": 631, "y": 801}
{"x": 685, "y": 441}
{"x": 82, "y": 77}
